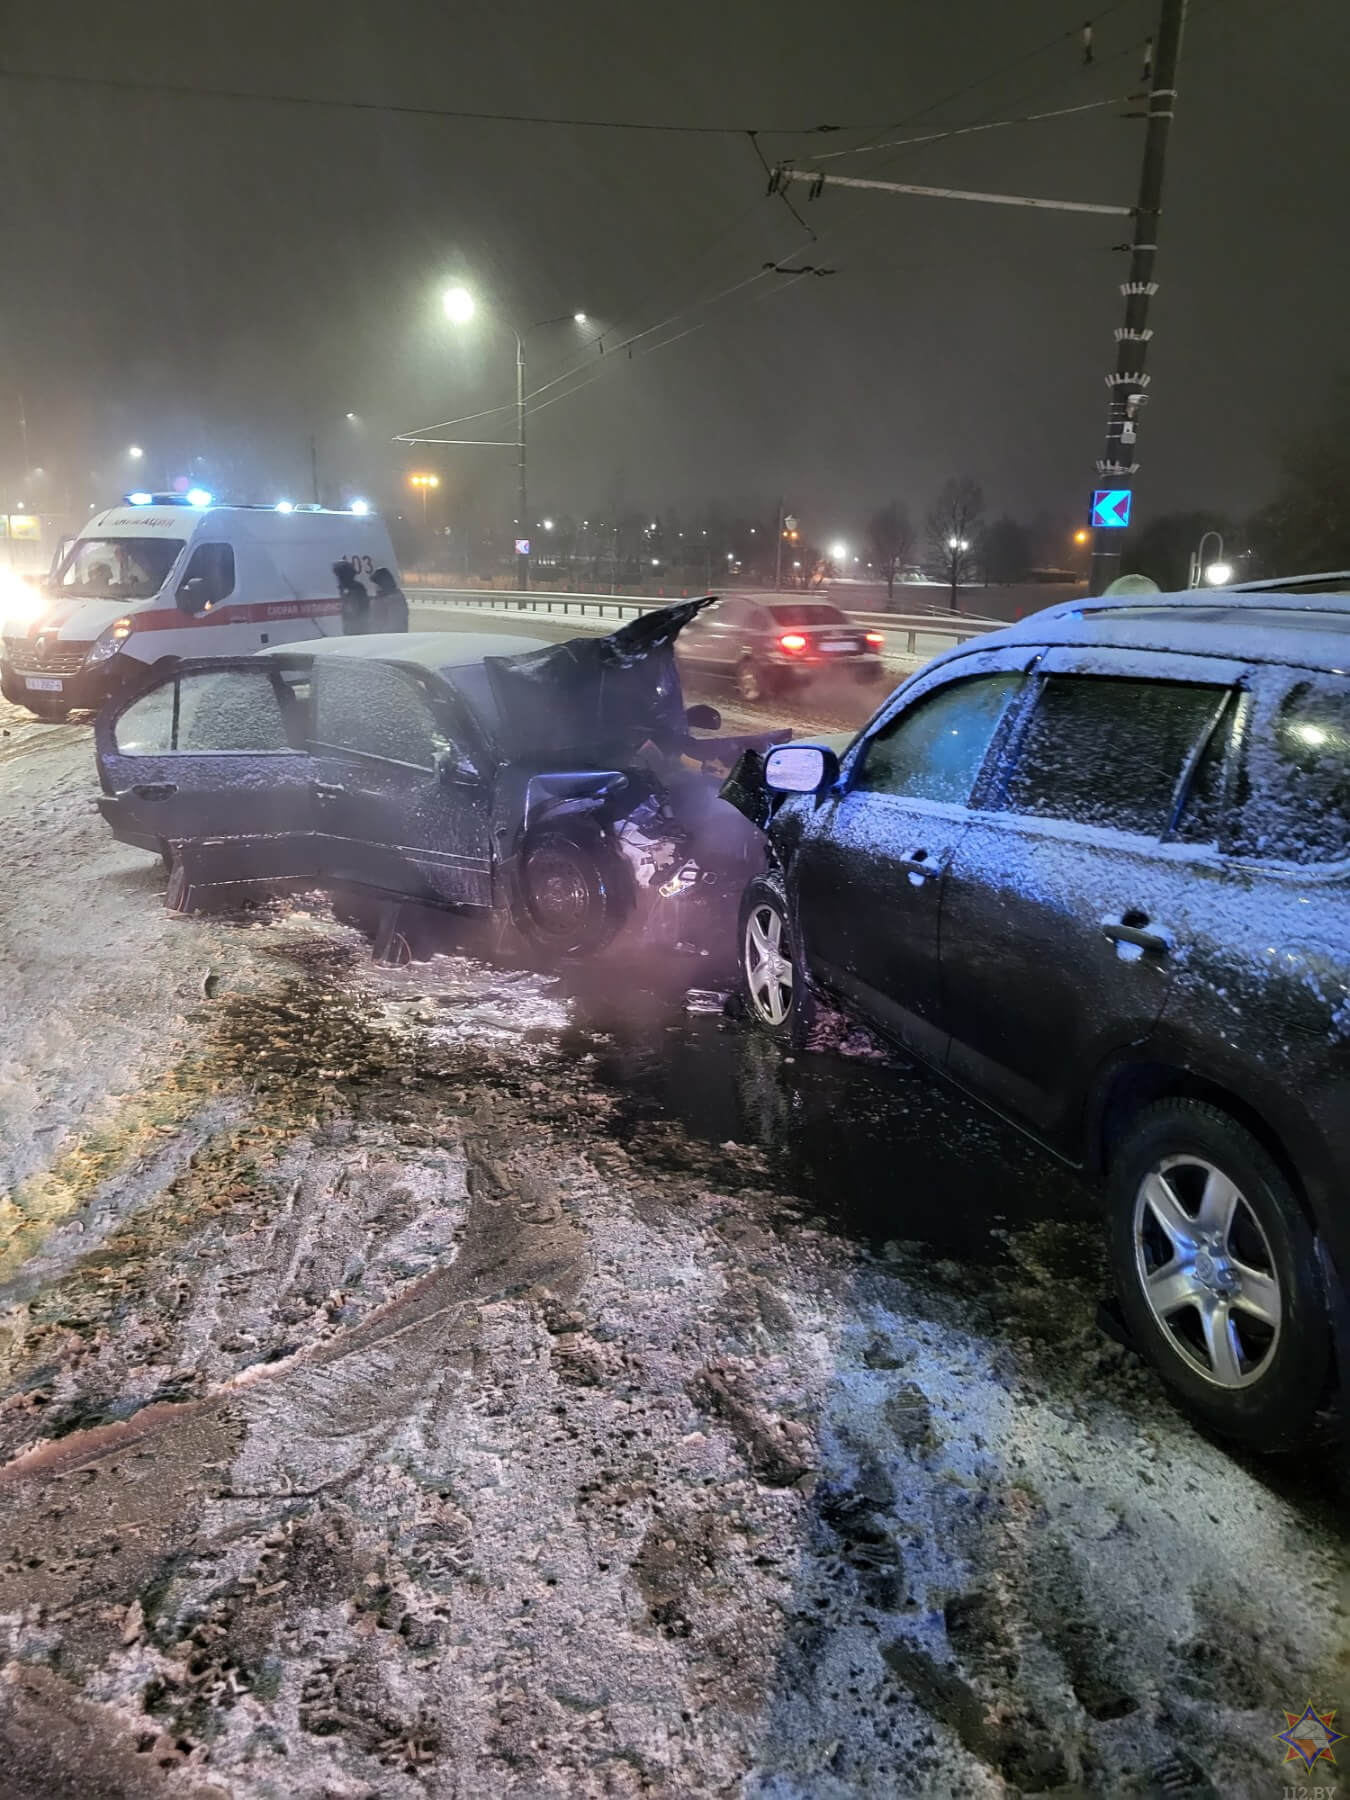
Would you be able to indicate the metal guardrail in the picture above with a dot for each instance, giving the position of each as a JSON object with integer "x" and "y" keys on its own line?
{"x": 598, "y": 606}
{"x": 910, "y": 626}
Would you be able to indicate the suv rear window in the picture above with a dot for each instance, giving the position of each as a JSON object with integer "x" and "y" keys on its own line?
{"x": 1294, "y": 789}
{"x": 1108, "y": 751}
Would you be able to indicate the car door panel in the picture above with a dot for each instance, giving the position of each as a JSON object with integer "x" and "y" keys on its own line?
{"x": 210, "y": 759}
{"x": 1062, "y": 934}
{"x": 869, "y": 879}
{"x": 414, "y": 822}
{"x": 870, "y": 860}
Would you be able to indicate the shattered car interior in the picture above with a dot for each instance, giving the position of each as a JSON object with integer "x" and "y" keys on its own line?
{"x": 558, "y": 787}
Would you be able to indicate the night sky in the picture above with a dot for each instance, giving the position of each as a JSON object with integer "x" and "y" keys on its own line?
{"x": 221, "y": 277}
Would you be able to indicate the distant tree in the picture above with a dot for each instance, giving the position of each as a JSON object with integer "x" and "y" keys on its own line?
{"x": 1162, "y": 550}
{"x": 952, "y": 526}
{"x": 891, "y": 538}
{"x": 1306, "y": 527}
{"x": 1005, "y": 552}
{"x": 805, "y": 566}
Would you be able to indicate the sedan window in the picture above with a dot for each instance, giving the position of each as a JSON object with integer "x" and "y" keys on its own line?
{"x": 1294, "y": 792}
{"x": 236, "y": 710}
{"x": 1101, "y": 750}
{"x": 377, "y": 711}
{"x": 935, "y": 749}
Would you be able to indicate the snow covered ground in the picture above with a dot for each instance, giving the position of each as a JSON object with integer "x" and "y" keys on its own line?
{"x": 386, "y": 1411}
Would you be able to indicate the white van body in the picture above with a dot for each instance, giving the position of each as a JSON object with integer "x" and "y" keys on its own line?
{"x": 145, "y": 584}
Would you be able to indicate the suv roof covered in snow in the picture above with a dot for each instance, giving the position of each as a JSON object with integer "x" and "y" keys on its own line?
{"x": 1307, "y": 630}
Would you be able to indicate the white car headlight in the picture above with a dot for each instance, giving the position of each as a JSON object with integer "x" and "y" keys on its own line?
{"x": 20, "y": 603}
{"x": 109, "y": 642}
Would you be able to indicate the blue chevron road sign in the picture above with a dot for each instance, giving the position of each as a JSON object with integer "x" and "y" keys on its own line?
{"x": 1111, "y": 508}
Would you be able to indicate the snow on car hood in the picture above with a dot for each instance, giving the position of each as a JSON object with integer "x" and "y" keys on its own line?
{"x": 593, "y": 694}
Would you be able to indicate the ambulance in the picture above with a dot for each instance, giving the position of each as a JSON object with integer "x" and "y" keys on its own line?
{"x": 166, "y": 576}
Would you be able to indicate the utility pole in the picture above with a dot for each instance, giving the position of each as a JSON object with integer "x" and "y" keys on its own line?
{"x": 314, "y": 466}
{"x": 778, "y": 563}
{"x": 1128, "y": 383}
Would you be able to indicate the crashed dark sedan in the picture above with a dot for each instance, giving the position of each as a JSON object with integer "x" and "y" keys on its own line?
{"x": 559, "y": 786}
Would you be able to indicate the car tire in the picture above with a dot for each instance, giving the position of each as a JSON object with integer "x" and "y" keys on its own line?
{"x": 1217, "y": 1274}
{"x": 49, "y": 714}
{"x": 751, "y": 685}
{"x": 574, "y": 894}
{"x": 777, "y": 998}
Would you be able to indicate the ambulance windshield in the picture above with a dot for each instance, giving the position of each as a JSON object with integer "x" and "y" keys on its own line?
{"x": 117, "y": 568}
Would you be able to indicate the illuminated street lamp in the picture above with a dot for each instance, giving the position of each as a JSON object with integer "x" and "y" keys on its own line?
{"x": 839, "y": 554}
{"x": 424, "y": 483}
{"x": 460, "y": 307}
{"x": 957, "y": 547}
{"x": 1219, "y": 574}
{"x": 135, "y": 452}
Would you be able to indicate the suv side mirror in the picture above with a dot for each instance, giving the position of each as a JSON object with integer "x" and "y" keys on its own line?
{"x": 800, "y": 769}
{"x": 455, "y": 770}
{"x": 702, "y": 718}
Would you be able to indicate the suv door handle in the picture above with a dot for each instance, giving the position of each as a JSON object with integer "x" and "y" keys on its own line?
{"x": 927, "y": 867}
{"x": 154, "y": 790}
{"x": 1133, "y": 934}
{"x": 326, "y": 790}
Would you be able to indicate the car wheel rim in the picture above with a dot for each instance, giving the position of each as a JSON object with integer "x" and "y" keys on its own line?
{"x": 559, "y": 895}
{"x": 768, "y": 965}
{"x": 1206, "y": 1271}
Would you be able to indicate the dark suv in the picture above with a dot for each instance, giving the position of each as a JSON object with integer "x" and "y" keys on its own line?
{"x": 1096, "y": 870}
{"x": 771, "y": 644}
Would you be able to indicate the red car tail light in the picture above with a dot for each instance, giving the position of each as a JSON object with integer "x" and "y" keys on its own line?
{"x": 875, "y": 638}
{"x": 792, "y": 640}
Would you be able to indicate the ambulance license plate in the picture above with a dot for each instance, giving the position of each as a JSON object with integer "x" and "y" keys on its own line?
{"x": 43, "y": 684}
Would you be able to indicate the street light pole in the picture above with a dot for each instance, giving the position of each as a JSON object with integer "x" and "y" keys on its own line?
{"x": 1196, "y": 573}
{"x": 522, "y": 494}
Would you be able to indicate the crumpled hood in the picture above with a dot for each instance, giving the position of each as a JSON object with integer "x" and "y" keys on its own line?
{"x": 597, "y": 695}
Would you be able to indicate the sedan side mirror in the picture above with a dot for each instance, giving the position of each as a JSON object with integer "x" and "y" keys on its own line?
{"x": 454, "y": 770}
{"x": 800, "y": 769}
{"x": 702, "y": 718}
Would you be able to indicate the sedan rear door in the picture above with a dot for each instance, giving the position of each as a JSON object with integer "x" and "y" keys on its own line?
{"x": 210, "y": 759}
{"x": 1067, "y": 896}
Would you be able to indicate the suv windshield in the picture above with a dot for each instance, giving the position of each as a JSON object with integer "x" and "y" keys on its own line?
{"x": 819, "y": 614}
{"x": 118, "y": 568}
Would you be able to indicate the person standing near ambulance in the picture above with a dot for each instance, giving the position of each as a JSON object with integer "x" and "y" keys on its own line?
{"x": 355, "y": 600}
{"x": 389, "y": 608}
